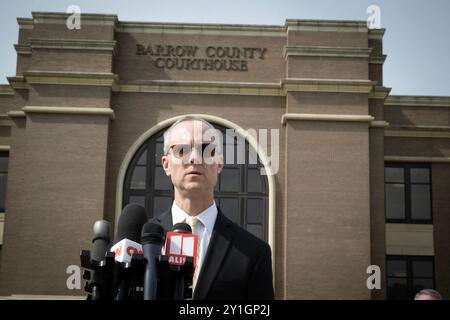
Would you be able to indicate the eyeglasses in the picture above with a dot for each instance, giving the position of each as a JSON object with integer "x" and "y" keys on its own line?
{"x": 180, "y": 151}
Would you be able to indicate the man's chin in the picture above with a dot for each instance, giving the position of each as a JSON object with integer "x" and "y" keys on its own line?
{"x": 195, "y": 186}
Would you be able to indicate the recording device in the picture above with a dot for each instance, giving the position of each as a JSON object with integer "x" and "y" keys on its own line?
{"x": 99, "y": 262}
{"x": 181, "y": 244}
{"x": 100, "y": 240}
{"x": 177, "y": 265}
{"x": 131, "y": 271}
{"x": 129, "y": 228}
{"x": 152, "y": 239}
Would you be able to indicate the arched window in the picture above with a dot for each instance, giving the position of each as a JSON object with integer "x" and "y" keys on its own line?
{"x": 241, "y": 191}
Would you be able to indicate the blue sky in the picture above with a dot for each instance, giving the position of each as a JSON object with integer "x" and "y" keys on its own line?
{"x": 417, "y": 38}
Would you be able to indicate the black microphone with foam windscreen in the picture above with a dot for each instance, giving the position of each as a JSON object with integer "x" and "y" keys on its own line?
{"x": 127, "y": 243}
{"x": 182, "y": 228}
{"x": 98, "y": 263}
{"x": 130, "y": 223}
{"x": 100, "y": 240}
{"x": 152, "y": 239}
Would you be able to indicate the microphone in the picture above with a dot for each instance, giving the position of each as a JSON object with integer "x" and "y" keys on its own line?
{"x": 181, "y": 245}
{"x": 130, "y": 223}
{"x": 152, "y": 238}
{"x": 98, "y": 274}
{"x": 128, "y": 234}
{"x": 100, "y": 240}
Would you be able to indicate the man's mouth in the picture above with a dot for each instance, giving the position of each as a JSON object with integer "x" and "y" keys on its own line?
{"x": 196, "y": 173}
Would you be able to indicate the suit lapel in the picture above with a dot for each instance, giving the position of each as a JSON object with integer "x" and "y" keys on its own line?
{"x": 165, "y": 220}
{"x": 220, "y": 242}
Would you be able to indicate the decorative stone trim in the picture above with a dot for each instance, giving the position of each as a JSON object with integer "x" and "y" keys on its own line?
{"x": 25, "y": 23}
{"x": 201, "y": 87}
{"x": 87, "y": 18}
{"x": 206, "y": 29}
{"x": 342, "y": 52}
{"x": 65, "y": 44}
{"x": 416, "y": 159}
{"x": 6, "y": 90}
{"x": 327, "y": 85}
{"x": 70, "y": 78}
{"x": 70, "y": 110}
{"x": 379, "y": 92}
{"x": 376, "y": 33}
{"x": 325, "y": 117}
{"x": 18, "y": 82}
{"x": 22, "y": 49}
{"x": 326, "y": 25}
{"x": 417, "y": 101}
{"x": 379, "y": 124}
{"x": 418, "y": 131}
{"x": 16, "y": 114}
{"x": 377, "y": 59}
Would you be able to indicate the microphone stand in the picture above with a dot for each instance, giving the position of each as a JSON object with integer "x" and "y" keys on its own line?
{"x": 99, "y": 276}
{"x": 175, "y": 282}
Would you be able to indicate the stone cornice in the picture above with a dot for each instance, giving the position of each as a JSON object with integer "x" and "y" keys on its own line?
{"x": 379, "y": 92}
{"x": 193, "y": 87}
{"x": 327, "y": 85}
{"x": 86, "y": 18}
{"x": 376, "y": 33}
{"x": 417, "y": 101}
{"x": 6, "y": 90}
{"x": 18, "y": 82}
{"x": 22, "y": 49}
{"x": 16, "y": 114}
{"x": 346, "y": 52}
{"x": 379, "y": 124}
{"x": 69, "y": 44}
{"x": 70, "y": 110}
{"x": 325, "y": 117}
{"x": 377, "y": 59}
{"x": 207, "y": 29}
{"x": 191, "y": 28}
{"x": 417, "y": 131}
{"x": 246, "y": 88}
{"x": 25, "y": 23}
{"x": 326, "y": 25}
{"x": 201, "y": 87}
{"x": 70, "y": 78}
{"x": 416, "y": 159}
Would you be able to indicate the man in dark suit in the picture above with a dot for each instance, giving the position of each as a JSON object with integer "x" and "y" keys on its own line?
{"x": 231, "y": 262}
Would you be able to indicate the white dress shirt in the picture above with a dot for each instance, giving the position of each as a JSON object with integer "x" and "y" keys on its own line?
{"x": 207, "y": 219}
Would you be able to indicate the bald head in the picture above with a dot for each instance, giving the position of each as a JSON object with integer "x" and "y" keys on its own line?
{"x": 193, "y": 128}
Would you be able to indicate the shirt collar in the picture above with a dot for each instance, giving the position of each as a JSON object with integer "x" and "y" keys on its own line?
{"x": 207, "y": 216}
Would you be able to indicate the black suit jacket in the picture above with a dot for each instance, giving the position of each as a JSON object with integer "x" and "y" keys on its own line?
{"x": 237, "y": 264}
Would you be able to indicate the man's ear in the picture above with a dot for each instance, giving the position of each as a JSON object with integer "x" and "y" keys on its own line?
{"x": 165, "y": 164}
{"x": 220, "y": 164}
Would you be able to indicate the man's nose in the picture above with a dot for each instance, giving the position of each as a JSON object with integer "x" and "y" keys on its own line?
{"x": 195, "y": 156}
